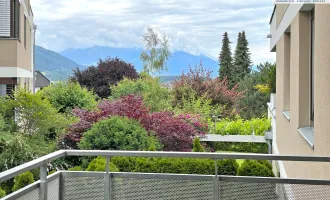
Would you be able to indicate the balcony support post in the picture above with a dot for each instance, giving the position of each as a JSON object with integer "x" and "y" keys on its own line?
{"x": 43, "y": 182}
{"x": 107, "y": 180}
{"x": 216, "y": 182}
{"x": 61, "y": 186}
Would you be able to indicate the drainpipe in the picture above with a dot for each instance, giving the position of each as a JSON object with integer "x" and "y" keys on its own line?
{"x": 34, "y": 58}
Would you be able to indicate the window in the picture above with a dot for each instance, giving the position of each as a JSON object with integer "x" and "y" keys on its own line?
{"x": 24, "y": 31}
{"x": 312, "y": 46}
{"x": 15, "y": 18}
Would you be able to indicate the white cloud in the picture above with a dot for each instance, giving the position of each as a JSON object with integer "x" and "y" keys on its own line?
{"x": 193, "y": 26}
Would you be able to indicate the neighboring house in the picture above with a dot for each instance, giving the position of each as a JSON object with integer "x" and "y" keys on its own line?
{"x": 16, "y": 45}
{"x": 300, "y": 36}
{"x": 41, "y": 81}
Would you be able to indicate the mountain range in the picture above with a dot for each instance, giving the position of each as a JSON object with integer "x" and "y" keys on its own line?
{"x": 59, "y": 66}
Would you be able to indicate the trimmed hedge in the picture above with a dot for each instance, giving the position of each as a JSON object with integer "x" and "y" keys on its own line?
{"x": 256, "y": 168}
{"x": 175, "y": 166}
{"x": 239, "y": 147}
{"x": 22, "y": 180}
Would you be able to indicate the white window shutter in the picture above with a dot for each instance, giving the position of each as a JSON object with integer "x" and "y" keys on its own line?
{"x": 4, "y": 18}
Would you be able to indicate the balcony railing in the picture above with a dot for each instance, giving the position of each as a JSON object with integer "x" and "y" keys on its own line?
{"x": 123, "y": 185}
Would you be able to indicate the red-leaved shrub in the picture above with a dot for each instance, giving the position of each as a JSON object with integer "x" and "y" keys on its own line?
{"x": 176, "y": 133}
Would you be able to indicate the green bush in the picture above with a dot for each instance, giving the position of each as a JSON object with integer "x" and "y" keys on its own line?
{"x": 227, "y": 167}
{"x": 117, "y": 133}
{"x": 247, "y": 147}
{"x": 242, "y": 127}
{"x": 66, "y": 96}
{"x": 76, "y": 168}
{"x": 175, "y": 166}
{"x": 98, "y": 165}
{"x": 255, "y": 168}
{"x": 2, "y": 193}
{"x": 23, "y": 180}
{"x": 197, "y": 147}
{"x": 155, "y": 96}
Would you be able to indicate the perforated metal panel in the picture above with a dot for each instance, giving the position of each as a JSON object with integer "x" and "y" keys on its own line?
{"x": 247, "y": 191}
{"x": 33, "y": 195}
{"x": 83, "y": 188}
{"x": 303, "y": 192}
{"x": 139, "y": 189}
{"x": 53, "y": 189}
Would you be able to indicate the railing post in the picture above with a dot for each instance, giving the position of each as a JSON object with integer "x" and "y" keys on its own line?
{"x": 107, "y": 180}
{"x": 216, "y": 182}
{"x": 43, "y": 182}
{"x": 61, "y": 187}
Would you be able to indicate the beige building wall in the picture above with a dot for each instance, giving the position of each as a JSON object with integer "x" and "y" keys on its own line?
{"x": 288, "y": 139}
{"x": 280, "y": 11}
{"x": 8, "y": 52}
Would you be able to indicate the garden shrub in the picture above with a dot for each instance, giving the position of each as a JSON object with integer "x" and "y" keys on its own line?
{"x": 227, "y": 167}
{"x": 155, "y": 96}
{"x": 242, "y": 127}
{"x": 197, "y": 147}
{"x": 255, "y": 168}
{"x": 107, "y": 72}
{"x": 175, "y": 165}
{"x": 98, "y": 165}
{"x": 2, "y": 193}
{"x": 76, "y": 168}
{"x": 66, "y": 96}
{"x": 245, "y": 147}
{"x": 23, "y": 180}
{"x": 117, "y": 133}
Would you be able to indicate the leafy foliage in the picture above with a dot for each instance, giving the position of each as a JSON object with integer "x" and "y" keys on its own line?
{"x": 2, "y": 193}
{"x": 242, "y": 127}
{"x": 34, "y": 114}
{"x": 66, "y": 96}
{"x": 254, "y": 103}
{"x": 175, "y": 132}
{"x": 130, "y": 106}
{"x": 23, "y": 180}
{"x": 156, "y": 52}
{"x": 116, "y": 133}
{"x": 197, "y": 147}
{"x": 197, "y": 83}
{"x": 107, "y": 72}
{"x": 255, "y": 168}
{"x": 99, "y": 164}
{"x": 16, "y": 149}
{"x": 155, "y": 96}
{"x": 175, "y": 165}
{"x": 239, "y": 147}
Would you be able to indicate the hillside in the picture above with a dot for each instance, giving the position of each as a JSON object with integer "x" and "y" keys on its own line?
{"x": 55, "y": 66}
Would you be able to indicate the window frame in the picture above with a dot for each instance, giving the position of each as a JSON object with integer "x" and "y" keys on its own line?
{"x": 311, "y": 76}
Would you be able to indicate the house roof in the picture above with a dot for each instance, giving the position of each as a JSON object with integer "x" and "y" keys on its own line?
{"x": 41, "y": 80}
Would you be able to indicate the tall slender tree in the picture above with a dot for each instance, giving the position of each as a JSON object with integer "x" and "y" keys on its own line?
{"x": 225, "y": 59}
{"x": 242, "y": 58}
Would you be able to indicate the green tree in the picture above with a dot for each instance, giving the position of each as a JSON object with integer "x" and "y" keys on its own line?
{"x": 197, "y": 147}
{"x": 254, "y": 102}
{"x": 117, "y": 133}
{"x": 99, "y": 164}
{"x": 242, "y": 58}
{"x": 35, "y": 115}
{"x": 66, "y": 96}
{"x": 155, "y": 96}
{"x": 156, "y": 52}
{"x": 225, "y": 59}
{"x": 23, "y": 180}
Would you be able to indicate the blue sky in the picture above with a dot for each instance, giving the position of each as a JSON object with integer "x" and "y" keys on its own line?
{"x": 192, "y": 26}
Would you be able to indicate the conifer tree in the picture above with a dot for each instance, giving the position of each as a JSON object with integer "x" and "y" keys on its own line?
{"x": 225, "y": 59}
{"x": 242, "y": 58}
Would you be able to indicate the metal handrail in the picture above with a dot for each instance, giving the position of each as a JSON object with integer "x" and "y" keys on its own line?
{"x": 11, "y": 173}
